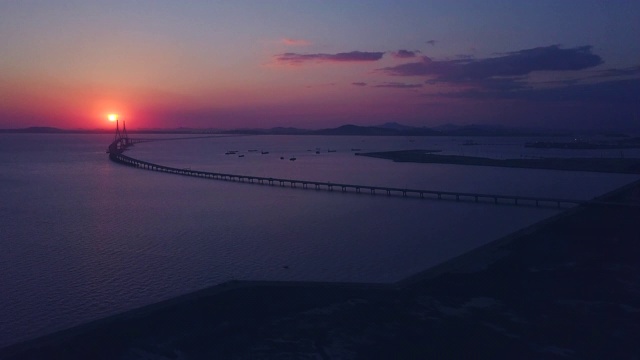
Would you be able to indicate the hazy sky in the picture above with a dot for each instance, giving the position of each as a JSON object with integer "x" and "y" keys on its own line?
{"x": 315, "y": 64}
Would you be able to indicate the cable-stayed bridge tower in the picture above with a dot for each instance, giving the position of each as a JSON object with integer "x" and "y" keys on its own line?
{"x": 121, "y": 140}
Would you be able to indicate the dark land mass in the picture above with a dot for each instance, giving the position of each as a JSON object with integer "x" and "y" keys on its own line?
{"x": 565, "y": 288}
{"x": 389, "y": 129}
{"x": 627, "y": 143}
{"x": 36, "y": 130}
{"x": 53, "y": 130}
{"x": 379, "y": 131}
{"x": 612, "y": 165}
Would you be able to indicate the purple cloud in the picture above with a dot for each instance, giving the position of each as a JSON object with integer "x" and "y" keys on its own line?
{"x": 353, "y": 56}
{"x": 359, "y": 83}
{"x": 518, "y": 63}
{"x": 630, "y": 71}
{"x": 432, "y": 42}
{"x": 398, "y": 85}
{"x": 404, "y": 54}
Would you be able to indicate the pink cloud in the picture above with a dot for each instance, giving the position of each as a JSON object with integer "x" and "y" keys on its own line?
{"x": 295, "y": 42}
{"x": 398, "y": 85}
{"x": 353, "y": 56}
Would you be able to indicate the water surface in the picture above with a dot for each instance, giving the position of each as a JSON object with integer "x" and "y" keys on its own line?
{"x": 82, "y": 237}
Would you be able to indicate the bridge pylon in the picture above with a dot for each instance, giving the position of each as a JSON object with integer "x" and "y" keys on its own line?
{"x": 125, "y": 135}
{"x": 121, "y": 140}
{"x": 122, "y": 136}
{"x": 118, "y": 133}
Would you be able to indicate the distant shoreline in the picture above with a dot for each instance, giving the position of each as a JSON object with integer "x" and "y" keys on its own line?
{"x": 608, "y": 165}
{"x": 344, "y": 130}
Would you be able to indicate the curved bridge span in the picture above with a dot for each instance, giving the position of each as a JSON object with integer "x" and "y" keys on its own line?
{"x": 117, "y": 148}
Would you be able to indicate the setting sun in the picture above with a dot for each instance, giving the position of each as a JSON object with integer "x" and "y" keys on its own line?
{"x": 112, "y": 117}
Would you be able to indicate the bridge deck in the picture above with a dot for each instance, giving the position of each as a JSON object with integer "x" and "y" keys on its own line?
{"x": 117, "y": 156}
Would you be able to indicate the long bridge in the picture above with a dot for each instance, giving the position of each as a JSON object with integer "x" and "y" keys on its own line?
{"x": 122, "y": 142}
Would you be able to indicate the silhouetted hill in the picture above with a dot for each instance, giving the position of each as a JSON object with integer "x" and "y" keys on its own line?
{"x": 357, "y": 130}
{"x": 272, "y": 131}
{"x": 387, "y": 129}
{"x": 36, "y": 130}
{"x": 395, "y": 126}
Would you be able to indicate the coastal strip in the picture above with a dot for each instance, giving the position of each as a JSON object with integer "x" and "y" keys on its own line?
{"x": 565, "y": 286}
{"x": 608, "y": 165}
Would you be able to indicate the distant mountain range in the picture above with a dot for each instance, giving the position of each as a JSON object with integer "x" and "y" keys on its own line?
{"x": 387, "y": 129}
{"x": 395, "y": 129}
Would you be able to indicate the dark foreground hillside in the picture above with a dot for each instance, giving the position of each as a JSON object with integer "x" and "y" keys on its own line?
{"x": 568, "y": 288}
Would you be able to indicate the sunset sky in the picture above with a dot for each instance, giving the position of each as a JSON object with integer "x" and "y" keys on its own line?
{"x": 316, "y": 64}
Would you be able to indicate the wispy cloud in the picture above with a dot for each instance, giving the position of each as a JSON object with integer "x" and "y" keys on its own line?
{"x": 353, "y": 56}
{"x": 405, "y": 54}
{"x": 398, "y": 85}
{"x": 432, "y": 42}
{"x": 630, "y": 71}
{"x": 295, "y": 42}
{"x": 359, "y": 83}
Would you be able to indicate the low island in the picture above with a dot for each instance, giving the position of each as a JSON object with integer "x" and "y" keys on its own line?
{"x": 610, "y": 165}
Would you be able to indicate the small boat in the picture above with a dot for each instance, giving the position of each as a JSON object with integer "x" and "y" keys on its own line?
{"x": 331, "y": 150}
{"x": 240, "y": 155}
{"x": 281, "y": 157}
{"x": 317, "y": 151}
{"x": 265, "y": 152}
{"x": 292, "y": 159}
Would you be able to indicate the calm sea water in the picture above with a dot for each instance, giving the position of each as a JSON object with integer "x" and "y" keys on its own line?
{"x": 82, "y": 237}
